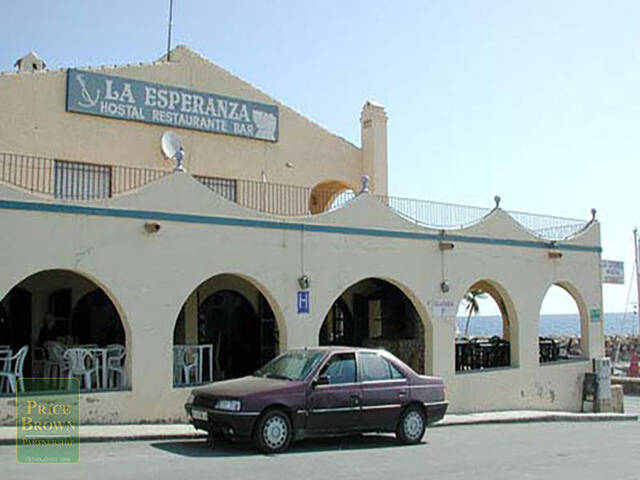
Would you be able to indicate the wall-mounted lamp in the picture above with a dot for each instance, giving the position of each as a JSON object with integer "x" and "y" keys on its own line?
{"x": 444, "y": 286}
{"x": 152, "y": 227}
{"x": 304, "y": 282}
{"x": 445, "y": 245}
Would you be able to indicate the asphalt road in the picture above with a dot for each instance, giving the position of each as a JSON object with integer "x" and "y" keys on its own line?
{"x": 514, "y": 451}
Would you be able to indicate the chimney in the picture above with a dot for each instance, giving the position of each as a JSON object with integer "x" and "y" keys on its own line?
{"x": 373, "y": 124}
{"x": 31, "y": 62}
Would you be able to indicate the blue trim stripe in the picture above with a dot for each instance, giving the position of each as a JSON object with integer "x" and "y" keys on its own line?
{"x": 279, "y": 225}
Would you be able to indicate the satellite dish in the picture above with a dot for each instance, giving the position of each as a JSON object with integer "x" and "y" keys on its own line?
{"x": 172, "y": 149}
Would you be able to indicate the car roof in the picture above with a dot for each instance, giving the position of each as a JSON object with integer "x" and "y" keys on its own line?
{"x": 342, "y": 348}
{"x": 328, "y": 349}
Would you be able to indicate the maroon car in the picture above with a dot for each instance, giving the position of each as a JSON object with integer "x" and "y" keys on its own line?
{"x": 317, "y": 392}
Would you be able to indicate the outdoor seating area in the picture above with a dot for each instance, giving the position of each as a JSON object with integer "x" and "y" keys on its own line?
{"x": 95, "y": 368}
{"x": 481, "y": 353}
{"x": 549, "y": 350}
{"x": 11, "y": 369}
{"x": 189, "y": 367}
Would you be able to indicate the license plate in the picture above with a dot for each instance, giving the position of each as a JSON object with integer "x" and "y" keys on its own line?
{"x": 199, "y": 414}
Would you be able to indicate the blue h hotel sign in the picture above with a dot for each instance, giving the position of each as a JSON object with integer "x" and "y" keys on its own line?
{"x": 126, "y": 99}
{"x": 303, "y": 301}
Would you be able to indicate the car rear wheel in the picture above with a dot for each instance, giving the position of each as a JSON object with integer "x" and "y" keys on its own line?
{"x": 273, "y": 432}
{"x": 412, "y": 425}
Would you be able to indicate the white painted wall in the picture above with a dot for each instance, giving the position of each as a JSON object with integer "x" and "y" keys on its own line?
{"x": 149, "y": 277}
{"x": 35, "y": 123}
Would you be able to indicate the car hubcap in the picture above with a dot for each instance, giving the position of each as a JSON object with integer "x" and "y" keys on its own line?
{"x": 275, "y": 432}
{"x": 413, "y": 425}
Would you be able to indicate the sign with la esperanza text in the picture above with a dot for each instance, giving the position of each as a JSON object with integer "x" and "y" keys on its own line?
{"x": 127, "y": 99}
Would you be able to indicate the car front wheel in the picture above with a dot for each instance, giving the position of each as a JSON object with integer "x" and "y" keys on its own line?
{"x": 273, "y": 432}
{"x": 412, "y": 425}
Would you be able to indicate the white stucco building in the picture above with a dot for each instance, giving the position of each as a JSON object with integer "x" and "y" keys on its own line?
{"x": 266, "y": 242}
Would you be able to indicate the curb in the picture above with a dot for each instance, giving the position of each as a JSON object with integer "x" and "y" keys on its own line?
{"x": 552, "y": 417}
{"x": 125, "y": 438}
{"x": 450, "y": 422}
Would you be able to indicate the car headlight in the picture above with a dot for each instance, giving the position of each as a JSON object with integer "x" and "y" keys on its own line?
{"x": 191, "y": 398}
{"x": 230, "y": 405}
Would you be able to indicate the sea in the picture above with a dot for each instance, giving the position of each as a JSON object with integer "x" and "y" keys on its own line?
{"x": 553, "y": 325}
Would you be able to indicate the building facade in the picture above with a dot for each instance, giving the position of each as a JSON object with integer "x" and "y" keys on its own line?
{"x": 270, "y": 240}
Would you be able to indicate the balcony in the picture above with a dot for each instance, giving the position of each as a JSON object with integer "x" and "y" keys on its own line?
{"x": 78, "y": 181}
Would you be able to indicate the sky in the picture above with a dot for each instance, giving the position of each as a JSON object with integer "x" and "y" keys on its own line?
{"x": 535, "y": 101}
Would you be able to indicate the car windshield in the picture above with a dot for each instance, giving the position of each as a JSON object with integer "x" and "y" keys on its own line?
{"x": 294, "y": 365}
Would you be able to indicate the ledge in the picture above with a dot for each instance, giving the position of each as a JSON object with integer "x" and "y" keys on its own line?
{"x": 567, "y": 361}
{"x": 13, "y": 396}
{"x": 486, "y": 370}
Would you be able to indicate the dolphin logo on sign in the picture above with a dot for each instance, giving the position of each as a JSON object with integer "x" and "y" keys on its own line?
{"x": 87, "y": 102}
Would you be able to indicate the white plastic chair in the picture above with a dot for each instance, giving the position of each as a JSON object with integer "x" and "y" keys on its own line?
{"x": 13, "y": 367}
{"x": 178, "y": 364}
{"x": 5, "y": 351}
{"x": 5, "y": 354}
{"x": 82, "y": 364}
{"x": 55, "y": 365}
{"x": 115, "y": 366}
{"x": 190, "y": 362}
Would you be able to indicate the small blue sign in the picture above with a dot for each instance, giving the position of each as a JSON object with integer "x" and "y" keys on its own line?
{"x": 303, "y": 301}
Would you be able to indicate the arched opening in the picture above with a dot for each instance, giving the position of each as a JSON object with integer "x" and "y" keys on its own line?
{"x": 329, "y": 195}
{"x": 225, "y": 329}
{"x": 373, "y": 313}
{"x": 561, "y": 326}
{"x": 58, "y": 324}
{"x": 484, "y": 328}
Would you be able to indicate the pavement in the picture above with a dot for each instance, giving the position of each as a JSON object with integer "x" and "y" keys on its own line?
{"x": 632, "y": 404}
{"x": 146, "y": 432}
{"x": 527, "y": 451}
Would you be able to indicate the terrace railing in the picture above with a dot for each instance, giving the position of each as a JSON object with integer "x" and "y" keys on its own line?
{"x": 545, "y": 226}
{"x": 73, "y": 180}
{"x": 434, "y": 214}
{"x": 289, "y": 200}
{"x": 84, "y": 181}
{"x": 449, "y": 216}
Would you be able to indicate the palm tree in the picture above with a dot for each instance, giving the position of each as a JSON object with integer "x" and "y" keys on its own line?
{"x": 471, "y": 298}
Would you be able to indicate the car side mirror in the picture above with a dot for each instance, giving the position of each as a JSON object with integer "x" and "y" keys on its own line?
{"x": 321, "y": 380}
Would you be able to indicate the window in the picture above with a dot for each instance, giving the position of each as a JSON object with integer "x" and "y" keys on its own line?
{"x": 375, "y": 318}
{"x": 293, "y": 365}
{"x": 81, "y": 181}
{"x": 395, "y": 373}
{"x": 341, "y": 368}
{"x": 375, "y": 367}
{"x": 222, "y": 186}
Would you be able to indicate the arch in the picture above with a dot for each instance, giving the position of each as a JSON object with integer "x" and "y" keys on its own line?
{"x": 555, "y": 344}
{"x": 229, "y": 326}
{"x": 379, "y": 312}
{"x": 111, "y": 330}
{"x": 325, "y": 193}
{"x": 54, "y": 304}
{"x": 494, "y": 349}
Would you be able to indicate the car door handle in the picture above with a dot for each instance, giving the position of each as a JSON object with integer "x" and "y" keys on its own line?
{"x": 402, "y": 393}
